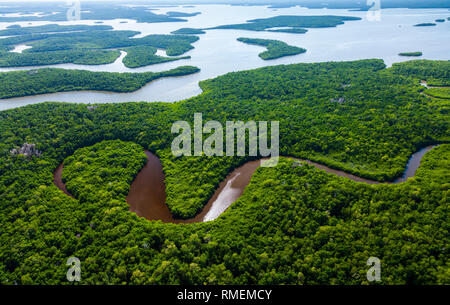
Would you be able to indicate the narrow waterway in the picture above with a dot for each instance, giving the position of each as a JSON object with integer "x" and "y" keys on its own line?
{"x": 147, "y": 195}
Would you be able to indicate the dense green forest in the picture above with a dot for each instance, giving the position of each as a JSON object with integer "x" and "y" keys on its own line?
{"x": 49, "y": 80}
{"x": 79, "y": 56}
{"x": 188, "y": 31}
{"x": 114, "y": 163}
{"x": 293, "y": 22}
{"x": 275, "y": 48}
{"x": 292, "y": 30}
{"x": 51, "y": 28}
{"x": 436, "y": 73}
{"x": 140, "y": 56}
{"x": 443, "y": 92}
{"x": 91, "y": 45}
{"x": 416, "y": 54}
{"x": 294, "y": 224}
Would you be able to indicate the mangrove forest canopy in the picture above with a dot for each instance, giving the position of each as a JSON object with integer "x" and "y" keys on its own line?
{"x": 294, "y": 224}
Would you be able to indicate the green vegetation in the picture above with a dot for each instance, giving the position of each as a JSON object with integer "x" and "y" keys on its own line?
{"x": 425, "y": 24}
{"x": 49, "y": 80}
{"x": 82, "y": 57}
{"x": 140, "y": 56}
{"x": 436, "y": 73}
{"x": 293, "y": 30}
{"x": 51, "y": 28}
{"x": 88, "y": 45}
{"x": 185, "y": 200}
{"x": 411, "y": 54}
{"x": 440, "y": 20}
{"x": 443, "y": 92}
{"x": 294, "y": 22}
{"x": 188, "y": 31}
{"x": 115, "y": 164}
{"x": 182, "y": 14}
{"x": 275, "y": 48}
{"x": 174, "y": 45}
{"x": 294, "y": 224}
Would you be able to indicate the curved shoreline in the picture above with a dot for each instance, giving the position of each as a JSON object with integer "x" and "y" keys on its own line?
{"x": 147, "y": 195}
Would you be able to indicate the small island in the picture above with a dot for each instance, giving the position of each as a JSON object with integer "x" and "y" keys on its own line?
{"x": 275, "y": 48}
{"x": 293, "y": 24}
{"x": 416, "y": 54}
{"x": 425, "y": 24}
{"x": 440, "y": 20}
{"x": 289, "y": 30}
{"x": 188, "y": 31}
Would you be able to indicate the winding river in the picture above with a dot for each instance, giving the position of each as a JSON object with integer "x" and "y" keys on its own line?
{"x": 147, "y": 195}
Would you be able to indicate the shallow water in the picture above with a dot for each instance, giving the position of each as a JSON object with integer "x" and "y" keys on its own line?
{"x": 217, "y": 52}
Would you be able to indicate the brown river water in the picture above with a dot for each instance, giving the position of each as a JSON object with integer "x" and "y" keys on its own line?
{"x": 147, "y": 195}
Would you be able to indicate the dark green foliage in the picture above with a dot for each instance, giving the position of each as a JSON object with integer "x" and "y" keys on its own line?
{"x": 188, "y": 31}
{"x": 82, "y": 57}
{"x": 185, "y": 200}
{"x": 293, "y": 30}
{"x": 48, "y": 80}
{"x": 140, "y": 56}
{"x": 416, "y": 54}
{"x": 425, "y": 24}
{"x": 88, "y": 45}
{"x": 436, "y": 73}
{"x": 293, "y": 224}
{"x": 275, "y": 48}
{"x": 104, "y": 171}
{"x": 443, "y": 92}
{"x": 440, "y": 20}
{"x": 294, "y": 22}
{"x": 47, "y": 28}
{"x": 182, "y": 14}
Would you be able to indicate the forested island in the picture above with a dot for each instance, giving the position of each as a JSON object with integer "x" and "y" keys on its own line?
{"x": 188, "y": 31}
{"x": 49, "y": 80}
{"x": 294, "y": 224}
{"x": 140, "y": 56}
{"x": 411, "y": 54}
{"x": 88, "y": 45}
{"x": 275, "y": 48}
{"x": 426, "y": 24}
{"x": 292, "y": 24}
